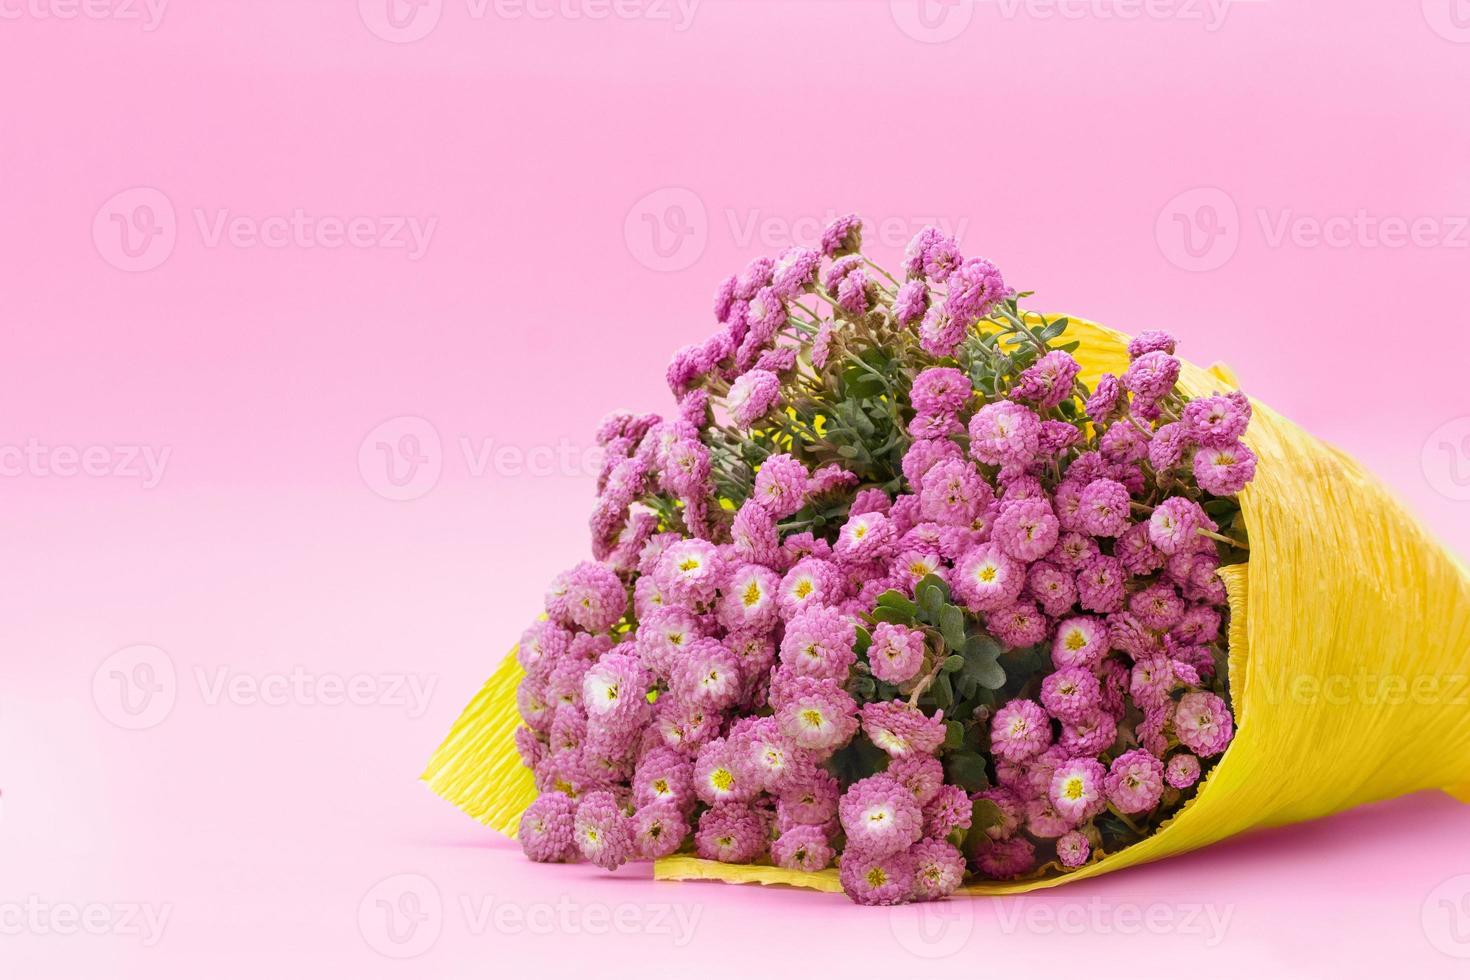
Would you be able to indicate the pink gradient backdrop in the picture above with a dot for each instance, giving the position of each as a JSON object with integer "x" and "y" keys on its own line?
{"x": 1074, "y": 150}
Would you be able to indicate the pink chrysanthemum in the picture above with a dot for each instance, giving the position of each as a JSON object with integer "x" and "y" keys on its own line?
{"x": 880, "y": 815}
{"x": 794, "y": 271}
{"x": 1026, "y": 529}
{"x": 547, "y": 828}
{"x": 1019, "y": 731}
{"x": 921, "y": 456}
{"x": 689, "y": 571}
{"x": 808, "y": 796}
{"x": 897, "y": 653}
{"x": 1052, "y": 587}
{"x": 1048, "y": 382}
{"x": 953, "y": 492}
{"x": 1076, "y": 789}
{"x": 1203, "y": 723}
{"x": 1100, "y": 585}
{"x": 872, "y": 879}
{"x": 1219, "y": 420}
{"x": 615, "y": 691}
{"x": 749, "y": 599}
{"x": 752, "y": 395}
{"x": 1003, "y": 432}
{"x": 1017, "y": 624}
{"x": 1070, "y": 694}
{"x": 931, "y": 253}
{"x": 602, "y": 831}
{"x": 949, "y": 810}
{"x": 986, "y": 578}
{"x": 1008, "y": 858}
{"x": 940, "y": 390}
{"x": 973, "y": 290}
{"x": 819, "y": 643}
{"x": 663, "y": 776}
{"x": 817, "y": 714}
{"x": 1175, "y": 523}
{"x": 864, "y": 538}
{"x": 658, "y": 830}
{"x": 1225, "y": 470}
{"x": 802, "y": 848}
{"x": 911, "y": 302}
{"x": 708, "y": 675}
{"x": 591, "y": 596}
{"x": 722, "y": 773}
{"x": 939, "y": 869}
{"x": 1182, "y": 770}
{"x": 730, "y": 832}
{"x": 1158, "y": 607}
{"x": 1135, "y": 782}
{"x": 922, "y": 775}
{"x": 899, "y": 728}
{"x": 843, "y": 236}
{"x": 1104, "y": 508}
{"x": 810, "y": 582}
{"x": 1073, "y": 849}
{"x": 1090, "y": 734}
{"x": 780, "y": 485}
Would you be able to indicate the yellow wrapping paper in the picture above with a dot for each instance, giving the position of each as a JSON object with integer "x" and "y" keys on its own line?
{"x": 1349, "y": 662}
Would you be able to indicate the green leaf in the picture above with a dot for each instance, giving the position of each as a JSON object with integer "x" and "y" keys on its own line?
{"x": 864, "y": 641}
{"x": 954, "y": 734}
{"x": 952, "y": 626}
{"x": 887, "y": 614}
{"x": 966, "y": 770}
{"x": 952, "y": 663}
{"x": 893, "y": 599}
{"x": 942, "y": 693}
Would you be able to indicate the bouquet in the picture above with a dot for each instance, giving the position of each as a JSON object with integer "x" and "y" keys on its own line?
{"x": 920, "y": 591}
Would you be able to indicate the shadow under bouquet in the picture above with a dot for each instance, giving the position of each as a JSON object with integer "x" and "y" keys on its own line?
{"x": 920, "y": 592}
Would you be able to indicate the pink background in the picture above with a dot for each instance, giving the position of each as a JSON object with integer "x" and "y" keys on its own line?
{"x": 1073, "y": 146}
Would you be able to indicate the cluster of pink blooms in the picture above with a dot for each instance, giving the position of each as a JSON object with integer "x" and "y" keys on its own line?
{"x": 689, "y": 687}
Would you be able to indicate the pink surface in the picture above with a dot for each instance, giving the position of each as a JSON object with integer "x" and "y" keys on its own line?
{"x": 253, "y": 253}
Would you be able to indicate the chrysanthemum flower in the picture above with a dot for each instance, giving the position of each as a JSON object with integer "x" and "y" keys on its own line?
{"x": 547, "y": 828}
{"x": 1224, "y": 471}
{"x": 922, "y": 775}
{"x": 897, "y": 653}
{"x": 615, "y": 691}
{"x": 707, "y": 675}
{"x": 752, "y": 395}
{"x": 1100, "y": 585}
{"x": 911, "y": 302}
{"x": 879, "y": 815}
{"x": 794, "y": 271}
{"x": 973, "y": 290}
{"x": 802, "y": 848}
{"x": 1073, "y": 849}
{"x": 819, "y": 643}
{"x": 899, "y": 728}
{"x": 1104, "y": 508}
{"x": 1048, "y": 382}
{"x": 1005, "y": 859}
{"x": 1080, "y": 641}
{"x": 843, "y": 236}
{"x": 1003, "y": 432}
{"x": 1070, "y": 694}
{"x": 817, "y": 714}
{"x": 658, "y": 830}
{"x": 931, "y": 253}
{"x": 780, "y": 485}
{"x": 689, "y": 571}
{"x": 1182, "y": 770}
{"x": 808, "y": 795}
{"x": 939, "y": 869}
{"x": 811, "y": 582}
{"x": 1135, "y": 782}
{"x": 749, "y": 599}
{"x": 873, "y": 879}
{"x": 1077, "y": 789}
{"x": 864, "y": 538}
{"x": 663, "y": 776}
{"x": 722, "y": 773}
{"x": 948, "y": 810}
{"x": 1026, "y": 529}
{"x": 1019, "y": 731}
{"x": 602, "y": 831}
{"x": 730, "y": 832}
{"x": 1219, "y": 420}
{"x": 1203, "y": 723}
{"x": 1090, "y": 734}
{"x": 987, "y": 578}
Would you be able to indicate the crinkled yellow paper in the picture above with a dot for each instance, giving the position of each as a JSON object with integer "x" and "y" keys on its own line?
{"x": 1349, "y": 662}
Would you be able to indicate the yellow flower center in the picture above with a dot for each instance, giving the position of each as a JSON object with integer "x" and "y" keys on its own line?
{"x": 987, "y": 574}
{"x": 752, "y": 594}
{"x": 877, "y": 877}
{"x": 688, "y": 564}
{"x": 804, "y": 588}
{"x": 722, "y": 779}
{"x": 812, "y": 718}
{"x": 1072, "y": 789}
